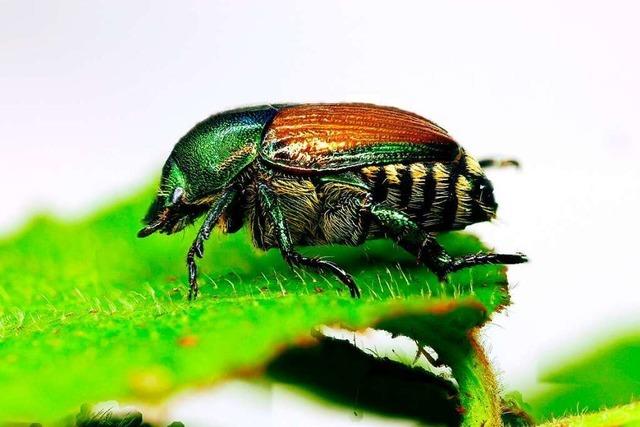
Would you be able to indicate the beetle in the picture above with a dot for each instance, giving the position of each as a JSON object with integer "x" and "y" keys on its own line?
{"x": 312, "y": 174}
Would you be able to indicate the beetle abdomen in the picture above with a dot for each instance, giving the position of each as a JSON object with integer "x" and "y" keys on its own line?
{"x": 439, "y": 196}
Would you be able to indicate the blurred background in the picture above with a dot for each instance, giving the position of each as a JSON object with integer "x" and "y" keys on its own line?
{"x": 93, "y": 95}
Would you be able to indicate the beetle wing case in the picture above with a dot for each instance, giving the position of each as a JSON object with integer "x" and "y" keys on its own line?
{"x": 331, "y": 137}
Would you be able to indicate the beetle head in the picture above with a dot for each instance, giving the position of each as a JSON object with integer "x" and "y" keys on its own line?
{"x": 204, "y": 162}
{"x": 170, "y": 211}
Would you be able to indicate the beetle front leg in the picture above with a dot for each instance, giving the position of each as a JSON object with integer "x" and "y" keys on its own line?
{"x": 269, "y": 203}
{"x": 426, "y": 248}
{"x": 197, "y": 247}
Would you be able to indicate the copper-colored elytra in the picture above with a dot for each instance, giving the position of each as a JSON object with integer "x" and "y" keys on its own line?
{"x": 357, "y": 112}
{"x": 328, "y": 127}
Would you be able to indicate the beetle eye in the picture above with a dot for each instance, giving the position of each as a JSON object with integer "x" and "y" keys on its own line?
{"x": 177, "y": 194}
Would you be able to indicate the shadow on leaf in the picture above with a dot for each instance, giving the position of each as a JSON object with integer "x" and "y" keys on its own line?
{"x": 338, "y": 372}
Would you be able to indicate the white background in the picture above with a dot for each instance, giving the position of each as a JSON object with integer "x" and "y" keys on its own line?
{"x": 93, "y": 95}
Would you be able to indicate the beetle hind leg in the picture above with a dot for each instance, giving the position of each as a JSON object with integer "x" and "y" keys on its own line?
{"x": 498, "y": 163}
{"x": 487, "y": 258}
{"x": 442, "y": 264}
{"x": 427, "y": 250}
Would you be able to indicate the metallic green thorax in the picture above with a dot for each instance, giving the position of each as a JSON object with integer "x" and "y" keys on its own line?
{"x": 214, "y": 152}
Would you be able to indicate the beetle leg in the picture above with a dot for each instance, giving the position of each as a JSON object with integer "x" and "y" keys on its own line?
{"x": 424, "y": 245}
{"x": 197, "y": 247}
{"x": 436, "y": 258}
{"x": 413, "y": 239}
{"x": 499, "y": 163}
{"x": 482, "y": 258}
{"x": 269, "y": 202}
{"x": 296, "y": 259}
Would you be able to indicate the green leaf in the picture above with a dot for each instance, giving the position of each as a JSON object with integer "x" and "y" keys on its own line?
{"x": 515, "y": 411}
{"x": 626, "y": 415}
{"x": 608, "y": 374}
{"x": 88, "y": 312}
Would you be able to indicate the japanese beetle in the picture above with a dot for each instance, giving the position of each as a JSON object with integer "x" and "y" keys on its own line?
{"x": 324, "y": 173}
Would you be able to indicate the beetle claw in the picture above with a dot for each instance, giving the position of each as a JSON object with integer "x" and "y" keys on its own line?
{"x": 354, "y": 291}
{"x": 442, "y": 273}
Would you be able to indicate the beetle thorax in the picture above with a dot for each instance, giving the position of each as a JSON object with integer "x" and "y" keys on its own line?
{"x": 215, "y": 152}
